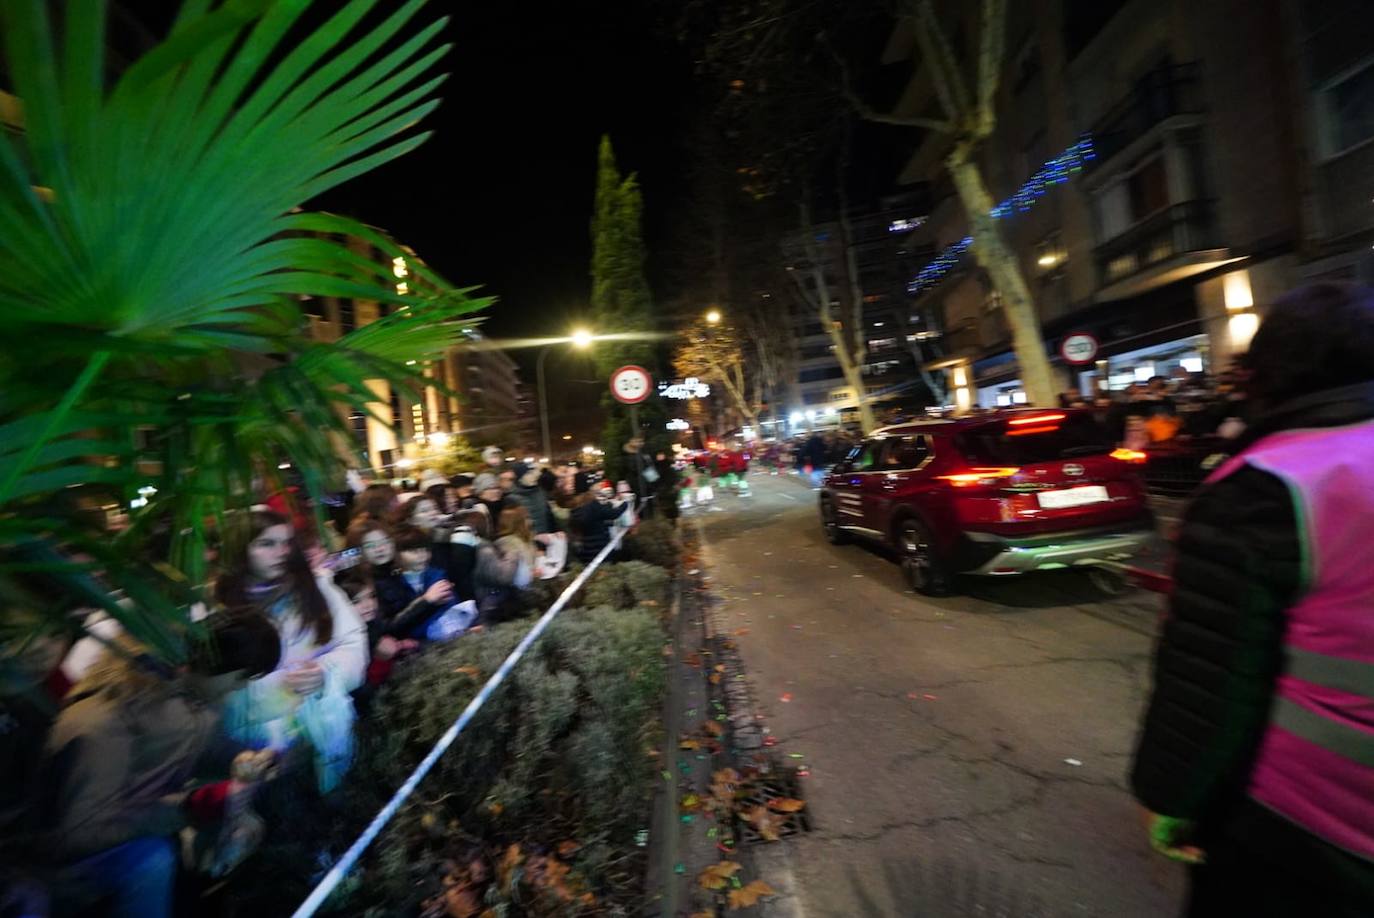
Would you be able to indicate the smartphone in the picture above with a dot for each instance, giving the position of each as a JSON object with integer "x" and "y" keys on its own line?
{"x": 343, "y": 560}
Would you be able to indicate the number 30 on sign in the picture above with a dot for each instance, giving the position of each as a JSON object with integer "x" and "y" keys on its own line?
{"x": 631, "y": 385}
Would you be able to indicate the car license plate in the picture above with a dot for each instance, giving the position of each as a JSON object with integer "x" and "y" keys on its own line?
{"x": 1072, "y": 497}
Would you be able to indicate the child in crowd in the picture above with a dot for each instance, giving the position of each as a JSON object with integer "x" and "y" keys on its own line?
{"x": 414, "y": 591}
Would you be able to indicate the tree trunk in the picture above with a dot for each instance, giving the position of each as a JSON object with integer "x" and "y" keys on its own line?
{"x": 736, "y": 393}
{"x": 1004, "y": 270}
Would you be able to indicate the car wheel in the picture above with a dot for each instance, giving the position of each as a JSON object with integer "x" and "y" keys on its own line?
{"x": 922, "y": 567}
{"x": 833, "y": 533}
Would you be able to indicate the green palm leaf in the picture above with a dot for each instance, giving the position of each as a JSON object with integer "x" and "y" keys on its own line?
{"x": 152, "y": 252}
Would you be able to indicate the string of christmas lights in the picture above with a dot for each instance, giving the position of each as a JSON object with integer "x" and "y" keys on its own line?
{"x": 1055, "y": 172}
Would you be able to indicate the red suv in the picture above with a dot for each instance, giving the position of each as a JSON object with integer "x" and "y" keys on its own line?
{"x": 1003, "y": 493}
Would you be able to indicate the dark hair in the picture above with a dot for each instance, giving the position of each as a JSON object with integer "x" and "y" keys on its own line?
{"x": 462, "y": 480}
{"x": 409, "y": 538}
{"x": 376, "y": 500}
{"x": 354, "y": 581}
{"x": 439, "y": 494}
{"x": 1313, "y": 338}
{"x": 243, "y": 639}
{"x": 231, "y": 589}
{"x": 477, "y": 519}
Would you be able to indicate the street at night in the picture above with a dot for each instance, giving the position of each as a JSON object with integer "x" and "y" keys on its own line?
{"x": 967, "y": 755}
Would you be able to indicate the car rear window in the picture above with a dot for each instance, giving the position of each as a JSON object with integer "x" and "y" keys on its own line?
{"x": 1025, "y": 440}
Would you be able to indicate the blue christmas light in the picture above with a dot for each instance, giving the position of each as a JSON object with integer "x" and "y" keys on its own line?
{"x": 1055, "y": 172}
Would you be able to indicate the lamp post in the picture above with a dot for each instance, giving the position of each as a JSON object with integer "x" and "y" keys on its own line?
{"x": 581, "y": 339}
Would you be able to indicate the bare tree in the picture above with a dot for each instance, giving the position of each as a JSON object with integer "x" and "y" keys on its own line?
{"x": 970, "y": 118}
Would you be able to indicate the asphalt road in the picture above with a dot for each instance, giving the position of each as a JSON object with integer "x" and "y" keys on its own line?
{"x": 967, "y": 756}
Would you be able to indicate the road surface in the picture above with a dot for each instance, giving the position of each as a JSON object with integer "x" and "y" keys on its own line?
{"x": 967, "y": 756}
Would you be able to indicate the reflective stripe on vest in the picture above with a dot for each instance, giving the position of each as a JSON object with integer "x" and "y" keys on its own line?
{"x": 1331, "y": 735}
{"x": 1340, "y": 673}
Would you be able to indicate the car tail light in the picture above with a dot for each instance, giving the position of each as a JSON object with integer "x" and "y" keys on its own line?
{"x": 1036, "y": 419}
{"x": 976, "y": 477}
{"x": 1129, "y": 455}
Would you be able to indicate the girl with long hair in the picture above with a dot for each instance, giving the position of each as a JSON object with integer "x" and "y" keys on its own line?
{"x": 323, "y": 646}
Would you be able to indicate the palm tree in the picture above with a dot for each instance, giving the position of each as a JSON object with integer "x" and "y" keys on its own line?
{"x": 153, "y": 252}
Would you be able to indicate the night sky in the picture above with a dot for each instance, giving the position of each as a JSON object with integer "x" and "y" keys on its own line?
{"x": 501, "y": 195}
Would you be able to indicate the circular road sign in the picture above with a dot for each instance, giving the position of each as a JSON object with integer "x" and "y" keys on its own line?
{"x": 631, "y": 385}
{"x": 1078, "y": 348}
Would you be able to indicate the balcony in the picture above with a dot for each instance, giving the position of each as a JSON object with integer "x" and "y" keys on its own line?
{"x": 1170, "y": 244}
{"x": 1161, "y": 94}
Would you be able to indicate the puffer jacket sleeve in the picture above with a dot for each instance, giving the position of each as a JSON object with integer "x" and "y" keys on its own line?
{"x": 1238, "y": 567}
{"x": 348, "y": 655}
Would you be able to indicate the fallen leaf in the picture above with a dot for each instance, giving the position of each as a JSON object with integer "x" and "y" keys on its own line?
{"x": 713, "y": 727}
{"x": 787, "y": 805}
{"x": 715, "y": 678}
{"x": 568, "y": 848}
{"x": 741, "y": 632}
{"x": 768, "y": 824}
{"x": 461, "y": 902}
{"x": 472, "y": 671}
{"x": 750, "y": 895}
{"x": 690, "y": 802}
{"x": 717, "y": 876}
{"x": 703, "y": 915}
{"x": 720, "y": 667}
{"x": 689, "y": 743}
{"x": 786, "y": 696}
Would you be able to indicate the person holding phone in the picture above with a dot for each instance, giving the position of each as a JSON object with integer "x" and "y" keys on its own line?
{"x": 324, "y": 652}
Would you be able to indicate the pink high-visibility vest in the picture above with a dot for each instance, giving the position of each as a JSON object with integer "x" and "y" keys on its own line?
{"x": 1315, "y": 764}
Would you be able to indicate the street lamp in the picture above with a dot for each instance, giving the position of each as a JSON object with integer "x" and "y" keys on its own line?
{"x": 581, "y": 338}
{"x": 713, "y": 317}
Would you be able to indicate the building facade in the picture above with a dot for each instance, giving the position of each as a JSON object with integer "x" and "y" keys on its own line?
{"x": 1224, "y": 153}
{"x": 476, "y": 391}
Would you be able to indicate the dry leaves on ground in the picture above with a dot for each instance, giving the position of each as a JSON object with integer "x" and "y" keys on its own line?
{"x": 768, "y": 824}
{"x": 786, "y": 805}
{"x": 750, "y": 895}
{"x": 717, "y": 876}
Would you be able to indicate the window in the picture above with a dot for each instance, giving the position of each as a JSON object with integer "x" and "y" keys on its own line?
{"x": 347, "y": 318}
{"x": 1347, "y": 111}
{"x": 865, "y": 457}
{"x": 357, "y": 421}
{"x": 1123, "y": 204}
{"x": 998, "y": 444}
{"x": 819, "y": 373}
{"x": 312, "y": 306}
{"x": 905, "y": 453}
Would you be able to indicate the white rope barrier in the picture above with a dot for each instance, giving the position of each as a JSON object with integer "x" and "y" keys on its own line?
{"x": 341, "y": 868}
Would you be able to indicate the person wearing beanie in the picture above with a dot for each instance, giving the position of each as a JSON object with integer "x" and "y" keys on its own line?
{"x": 527, "y": 493}
{"x": 493, "y": 458}
{"x": 593, "y": 512}
{"x": 487, "y": 489}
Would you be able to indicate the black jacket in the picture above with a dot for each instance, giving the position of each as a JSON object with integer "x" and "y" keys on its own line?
{"x": 591, "y": 520}
{"x": 1237, "y": 570}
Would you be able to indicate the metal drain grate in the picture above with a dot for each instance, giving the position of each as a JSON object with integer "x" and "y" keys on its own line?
{"x": 781, "y": 784}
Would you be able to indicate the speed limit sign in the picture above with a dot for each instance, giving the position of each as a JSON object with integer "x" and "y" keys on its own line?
{"x": 631, "y": 385}
{"x": 1079, "y": 348}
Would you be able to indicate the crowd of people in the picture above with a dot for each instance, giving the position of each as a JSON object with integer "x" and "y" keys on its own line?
{"x": 146, "y": 766}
